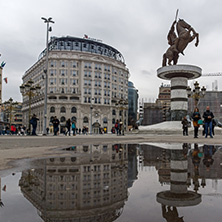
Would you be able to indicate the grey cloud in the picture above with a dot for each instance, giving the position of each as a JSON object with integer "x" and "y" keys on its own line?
{"x": 138, "y": 32}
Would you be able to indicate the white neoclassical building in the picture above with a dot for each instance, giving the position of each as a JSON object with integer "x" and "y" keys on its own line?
{"x": 86, "y": 81}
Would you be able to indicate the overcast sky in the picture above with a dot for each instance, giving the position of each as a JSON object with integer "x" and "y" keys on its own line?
{"x": 137, "y": 28}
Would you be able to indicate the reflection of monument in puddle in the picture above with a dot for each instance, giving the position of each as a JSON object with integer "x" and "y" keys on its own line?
{"x": 87, "y": 187}
{"x": 178, "y": 195}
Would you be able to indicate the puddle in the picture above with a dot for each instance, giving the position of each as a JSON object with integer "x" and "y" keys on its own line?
{"x": 125, "y": 183}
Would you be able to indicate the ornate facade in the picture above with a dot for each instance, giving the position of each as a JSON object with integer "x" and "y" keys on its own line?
{"x": 87, "y": 187}
{"x": 86, "y": 79}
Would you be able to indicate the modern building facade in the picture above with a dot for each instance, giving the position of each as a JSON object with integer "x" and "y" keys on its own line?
{"x": 164, "y": 99}
{"x": 153, "y": 113}
{"x": 132, "y": 104}
{"x": 212, "y": 99}
{"x": 86, "y": 79}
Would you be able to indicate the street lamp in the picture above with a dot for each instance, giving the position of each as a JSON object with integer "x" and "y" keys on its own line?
{"x": 49, "y": 29}
{"x": 196, "y": 94}
{"x": 29, "y": 90}
{"x": 122, "y": 105}
{"x": 9, "y": 106}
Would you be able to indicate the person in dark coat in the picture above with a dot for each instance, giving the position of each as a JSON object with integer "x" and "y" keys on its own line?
{"x": 196, "y": 116}
{"x": 185, "y": 123}
{"x": 208, "y": 121}
{"x": 68, "y": 125}
{"x": 55, "y": 123}
{"x": 33, "y": 121}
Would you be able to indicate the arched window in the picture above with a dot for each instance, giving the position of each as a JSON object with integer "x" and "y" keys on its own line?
{"x": 114, "y": 112}
{"x": 52, "y": 109}
{"x": 113, "y": 121}
{"x": 63, "y": 109}
{"x": 74, "y": 118}
{"x": 51, "y": 118}
{"x": 85, "y": 120}
{"x": 63, "y": 119}
{"x": 62, "y": 159}
{"x": 73, "y": 110}
{"x": 105, "y": 120}
{"x": 73, "y": 159}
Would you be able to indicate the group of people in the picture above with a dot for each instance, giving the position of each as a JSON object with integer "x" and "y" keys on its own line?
{"x": 6, "y": 129}
{"x": 207, "y": 122}
{"x": 70, "y": 127}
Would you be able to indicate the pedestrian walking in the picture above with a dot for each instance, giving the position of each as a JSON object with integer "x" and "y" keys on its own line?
{"x": 196, "y": 117}
{"x": 185, "y": 123}
{"x": 121, "y": 130}
{"x": 208, "y": 121}
{"x": 117, "y": 127}
{"x": 33, "y": 122}
{"x": 73, "y": 127}
{"x": 68, "y": 126}
{"x": 55, "y": 123}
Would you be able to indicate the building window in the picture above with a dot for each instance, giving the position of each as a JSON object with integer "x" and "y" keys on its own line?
{"x": 52, "y": 109}
{"x": 74, "y": 119}
{"x": 105, "y": 120}
{"x": 63, "y": 119}
{"x": 113, "y": 121}
{"x": 51, "y": 118}
{"x": 73, "y": 110}
{"x": 85, "y": 120}
{"x": 85, "y": 148}
{"x": 114, "y": 112}
{"x": 63, "y": 109}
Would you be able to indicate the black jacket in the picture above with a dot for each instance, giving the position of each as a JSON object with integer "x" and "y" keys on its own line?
{"x": 206, "y": 114}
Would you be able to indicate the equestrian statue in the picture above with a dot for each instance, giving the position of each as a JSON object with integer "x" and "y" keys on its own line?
{"x": 178, "y": 42}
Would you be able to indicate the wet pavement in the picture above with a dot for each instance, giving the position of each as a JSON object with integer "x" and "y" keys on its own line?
{"x": 116, "y": 182}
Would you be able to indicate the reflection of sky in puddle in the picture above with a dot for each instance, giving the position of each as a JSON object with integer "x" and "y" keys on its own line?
{"x": 130, "y": 178}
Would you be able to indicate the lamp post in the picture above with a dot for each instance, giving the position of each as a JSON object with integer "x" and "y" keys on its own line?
{"x": 9, "y": 106}
{"x": 49, "y": 29}
{"x": 91, "y": 109}
{"x": 196, "y": 94}
{"x": 29, "y": 90}
{"x": 123, "y": 105}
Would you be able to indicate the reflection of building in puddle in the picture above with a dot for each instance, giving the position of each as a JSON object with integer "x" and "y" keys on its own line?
{"x": 90, "y": 187}
{"x": 132, "y": 164}
{"x": 204, "y": 162}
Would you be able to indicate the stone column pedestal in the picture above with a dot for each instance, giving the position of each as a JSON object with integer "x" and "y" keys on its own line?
{"x": 178, "y": 195}
{"x": 179, "y": 76}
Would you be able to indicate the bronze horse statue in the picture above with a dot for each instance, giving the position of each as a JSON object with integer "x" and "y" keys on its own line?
{"x": 180, "y": 42}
